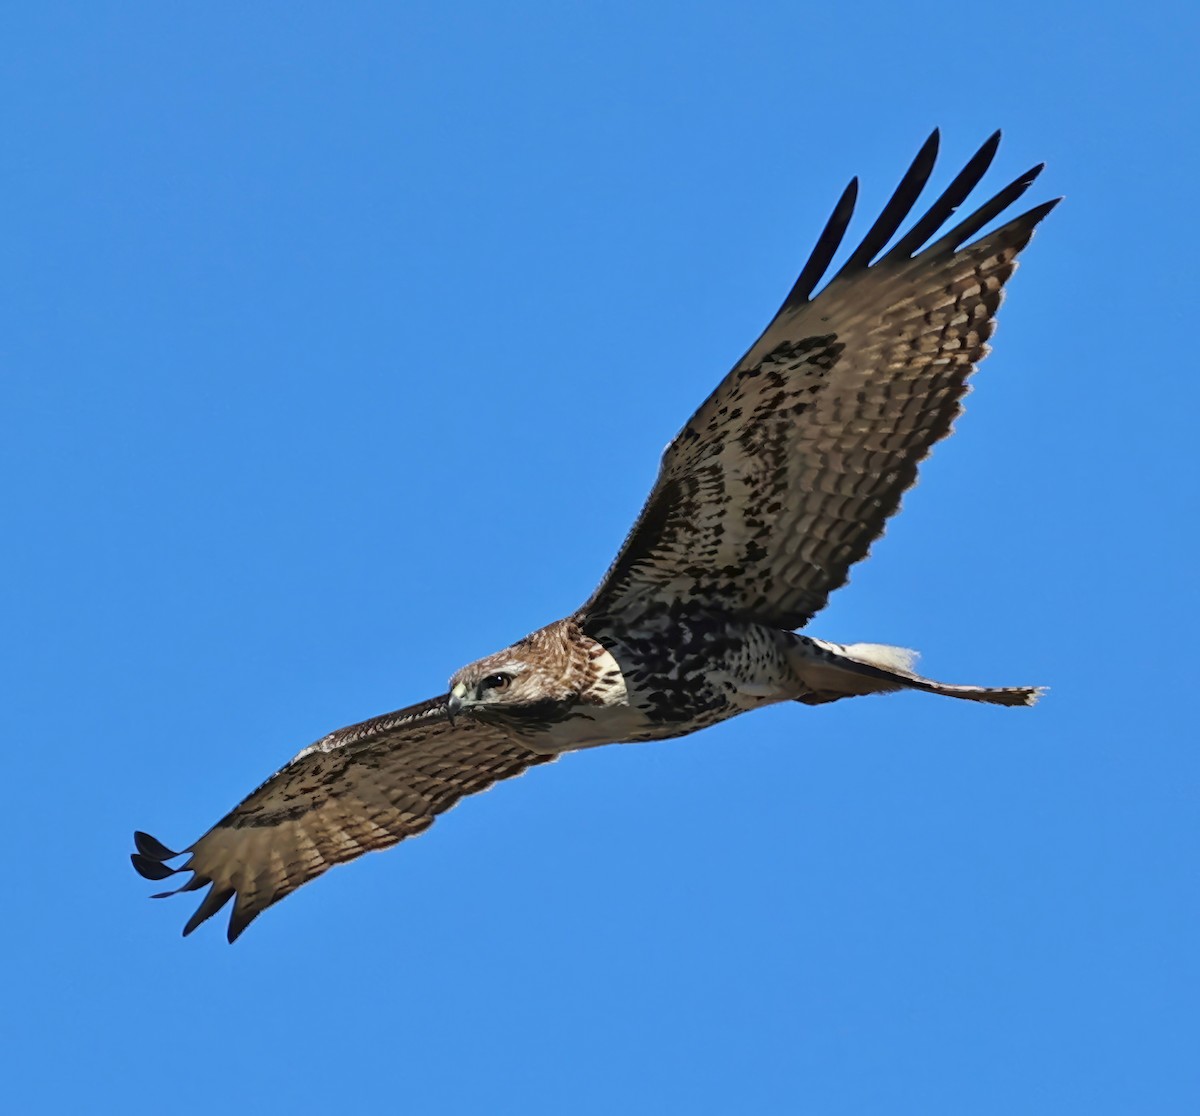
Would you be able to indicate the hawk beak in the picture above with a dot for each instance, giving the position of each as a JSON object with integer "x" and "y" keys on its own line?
{"x": 454, "y": 702}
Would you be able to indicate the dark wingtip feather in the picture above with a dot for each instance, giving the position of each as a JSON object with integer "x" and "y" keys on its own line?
{"x": 969, "y": 226}
{"x": 1021, "y": 228}
{"x": 149, "y": 868}
{"x": 949, "y": 200}
{"x": 152, "y": 847}
{"x": 1035, "y": 215}
{"x": 898, "y": 207}
{"x": 239, "y": 919}
{"x": 194, "y": 884}
{"x": 826, "y": 247}
{"x": 212, "y": 903}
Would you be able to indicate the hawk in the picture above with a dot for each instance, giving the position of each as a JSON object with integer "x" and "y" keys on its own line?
{"x": 773, "y": 489}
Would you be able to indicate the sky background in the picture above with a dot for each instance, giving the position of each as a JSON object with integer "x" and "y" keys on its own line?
{"x": 339, "y": 346}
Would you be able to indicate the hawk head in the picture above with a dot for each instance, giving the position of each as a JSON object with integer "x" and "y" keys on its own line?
{"x": 529, "y": 679}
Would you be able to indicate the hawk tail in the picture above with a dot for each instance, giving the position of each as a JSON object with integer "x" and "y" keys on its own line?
{"x": 830, "y": 671}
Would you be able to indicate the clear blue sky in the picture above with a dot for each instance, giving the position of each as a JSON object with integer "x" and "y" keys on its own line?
{"x": 339, "y": 346}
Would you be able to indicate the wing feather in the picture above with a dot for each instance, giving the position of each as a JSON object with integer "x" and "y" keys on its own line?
{"x": 789, "y": 470}
{"x": 363, "y": 788}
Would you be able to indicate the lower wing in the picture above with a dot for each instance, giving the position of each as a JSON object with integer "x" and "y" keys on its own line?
{"x": 362, "y": 788}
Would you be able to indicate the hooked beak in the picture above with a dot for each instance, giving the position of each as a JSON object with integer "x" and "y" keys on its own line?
{"x": 454, "y": 702}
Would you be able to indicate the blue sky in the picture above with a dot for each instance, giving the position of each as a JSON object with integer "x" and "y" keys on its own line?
{"x": 339, "y": 346}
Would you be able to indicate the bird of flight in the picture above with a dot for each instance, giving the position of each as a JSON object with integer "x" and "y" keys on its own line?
{"x": 772, "y": 490}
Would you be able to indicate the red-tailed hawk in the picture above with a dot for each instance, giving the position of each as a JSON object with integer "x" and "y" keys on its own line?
{"x": 772, "y": 490}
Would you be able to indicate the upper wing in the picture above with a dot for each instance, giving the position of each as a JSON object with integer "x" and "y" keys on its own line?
{"x": 786, "y": 474}
{"x": 361, "y": 788}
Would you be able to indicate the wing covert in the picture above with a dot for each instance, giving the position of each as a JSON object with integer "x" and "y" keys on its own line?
{"x": 362, "y": 788}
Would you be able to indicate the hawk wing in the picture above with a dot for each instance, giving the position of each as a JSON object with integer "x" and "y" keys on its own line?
{"x": 786, "y": 474}
{"x": 361, "y": 788}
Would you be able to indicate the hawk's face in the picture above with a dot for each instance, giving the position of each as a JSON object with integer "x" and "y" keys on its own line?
{"x": 518, "y": 680}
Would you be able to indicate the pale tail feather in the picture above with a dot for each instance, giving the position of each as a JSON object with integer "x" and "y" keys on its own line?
{"x": 837, "y": 671}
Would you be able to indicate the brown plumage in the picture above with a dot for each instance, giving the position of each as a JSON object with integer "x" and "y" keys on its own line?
{"x": 773, "y": 489}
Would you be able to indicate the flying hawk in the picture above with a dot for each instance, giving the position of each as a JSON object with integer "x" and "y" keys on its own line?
{"x": 773, "y": 489}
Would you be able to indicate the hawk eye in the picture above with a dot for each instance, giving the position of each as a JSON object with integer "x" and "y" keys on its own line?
{"x": 496, "y": 682}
